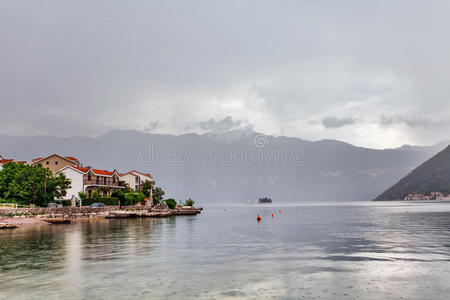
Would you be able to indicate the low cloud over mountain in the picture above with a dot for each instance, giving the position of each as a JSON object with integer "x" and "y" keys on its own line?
{"x": 236, "y": 166}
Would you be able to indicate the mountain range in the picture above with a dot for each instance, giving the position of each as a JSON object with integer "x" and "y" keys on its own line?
{"x": 236, "y": 166}
{"x": 431, "y": 176}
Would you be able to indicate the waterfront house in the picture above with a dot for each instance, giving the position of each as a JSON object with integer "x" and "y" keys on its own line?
{"x": 135, "y": 179}
{"x": 56, "y": 162}
{"x": 88, "y": 179}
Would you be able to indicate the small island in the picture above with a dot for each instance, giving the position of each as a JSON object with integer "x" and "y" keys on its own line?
{"x": 264, "y": 200}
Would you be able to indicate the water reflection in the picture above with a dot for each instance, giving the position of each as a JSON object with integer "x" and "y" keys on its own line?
{"x": 327, "y": 251}
{"x": 39, "y": 247}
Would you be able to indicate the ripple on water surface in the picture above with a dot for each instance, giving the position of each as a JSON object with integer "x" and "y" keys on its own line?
{"x": 349, "y": 251}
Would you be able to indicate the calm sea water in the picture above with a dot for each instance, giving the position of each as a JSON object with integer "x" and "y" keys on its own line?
{"x": 327, "y": 251}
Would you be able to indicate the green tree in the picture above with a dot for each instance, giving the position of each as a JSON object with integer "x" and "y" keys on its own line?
{"x": 126, "y": 188}
{"x": 103, "y": 190}
{"x": 147, "y": 188}
{"x": 119, "y": 194}
{"x": 27, "y": 184}
{"x": 158, "y": 195}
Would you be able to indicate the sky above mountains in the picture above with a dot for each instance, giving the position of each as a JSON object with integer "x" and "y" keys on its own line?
{"x": 372, "y": 74}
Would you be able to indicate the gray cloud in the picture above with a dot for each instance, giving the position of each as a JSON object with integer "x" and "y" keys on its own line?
{"x": 334, "y": 122}
{"x": 152, "y": 126}
{"x": 415, "y": 122}
{"x": 89, "y": 67}
{"x": 222, "y": 125}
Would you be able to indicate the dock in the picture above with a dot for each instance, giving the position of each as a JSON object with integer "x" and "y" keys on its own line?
{"x": 152, "y": 213}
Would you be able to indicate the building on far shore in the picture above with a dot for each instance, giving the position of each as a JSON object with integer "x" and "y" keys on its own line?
{"x": 87, "y": 180}
{"x": 56, "y": 162}
{"x": 422, "y": 197}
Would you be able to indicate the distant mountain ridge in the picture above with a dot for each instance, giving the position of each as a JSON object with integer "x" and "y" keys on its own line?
{"x": 236, "y": 166}
{"x": 432, "y": 176}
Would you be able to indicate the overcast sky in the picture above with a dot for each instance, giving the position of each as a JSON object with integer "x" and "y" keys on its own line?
{"x": 372, "y": 73}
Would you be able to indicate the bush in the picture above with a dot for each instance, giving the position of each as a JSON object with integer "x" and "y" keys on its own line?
{"x": 111, "y": 201}
{"x": 119, "y": 194}
{"x": 95, "y": 194}
{"x": 189, "y": 202}
{"x": 65, "y": 202}
{"x": 82, "y": 195}
{"x": 134, "y": 198}
{"x": 171, "y": 203}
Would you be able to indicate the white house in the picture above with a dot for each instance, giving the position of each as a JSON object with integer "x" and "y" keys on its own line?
{"x": 87, "y": 180}
{"x": 135, "y": 179}
{"x": 76, "y": 176}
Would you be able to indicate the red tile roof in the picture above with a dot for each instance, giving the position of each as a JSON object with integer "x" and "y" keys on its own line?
{"x": 84, "y": 170}
{"x": 72, "y": 158}
{"x": 145, "y": 174}
{"x": 4, "y": 161}
{"x": 102, "y": 172}
{"x": 21, "y": 162}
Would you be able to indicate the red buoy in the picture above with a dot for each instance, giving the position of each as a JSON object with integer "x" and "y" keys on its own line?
{"x": 272, "y": 215}
{"x": 258, "y": 218}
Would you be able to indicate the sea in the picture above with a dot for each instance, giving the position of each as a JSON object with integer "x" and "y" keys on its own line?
{"x": 337, "y": 250}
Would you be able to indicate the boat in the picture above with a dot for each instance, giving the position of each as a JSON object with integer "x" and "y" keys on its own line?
{"x": 57, "y": 220}
{"x": 7, "y": 226}
{"x": 264, "y": 200}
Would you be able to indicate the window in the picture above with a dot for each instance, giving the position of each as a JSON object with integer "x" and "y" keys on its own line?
{"x": 136, "y": 188}
{"x": 136, "y": 179}
{"x": 46, "y": 162}
{"x": 39, "y": 164}
{"x": 114, "y": 179}
{"x": 90, "y": 193}
{"x": 104, "y": 180}
{"x": 97, "y": 180}
{"x": 56, "y": 162}
{"x": 89, "y": 176}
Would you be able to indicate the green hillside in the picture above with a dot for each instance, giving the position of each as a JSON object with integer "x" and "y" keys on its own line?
{"x": 432, "y": 175}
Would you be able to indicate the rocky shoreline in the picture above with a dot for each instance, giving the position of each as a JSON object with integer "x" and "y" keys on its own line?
{"x": 13, "y": 218}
